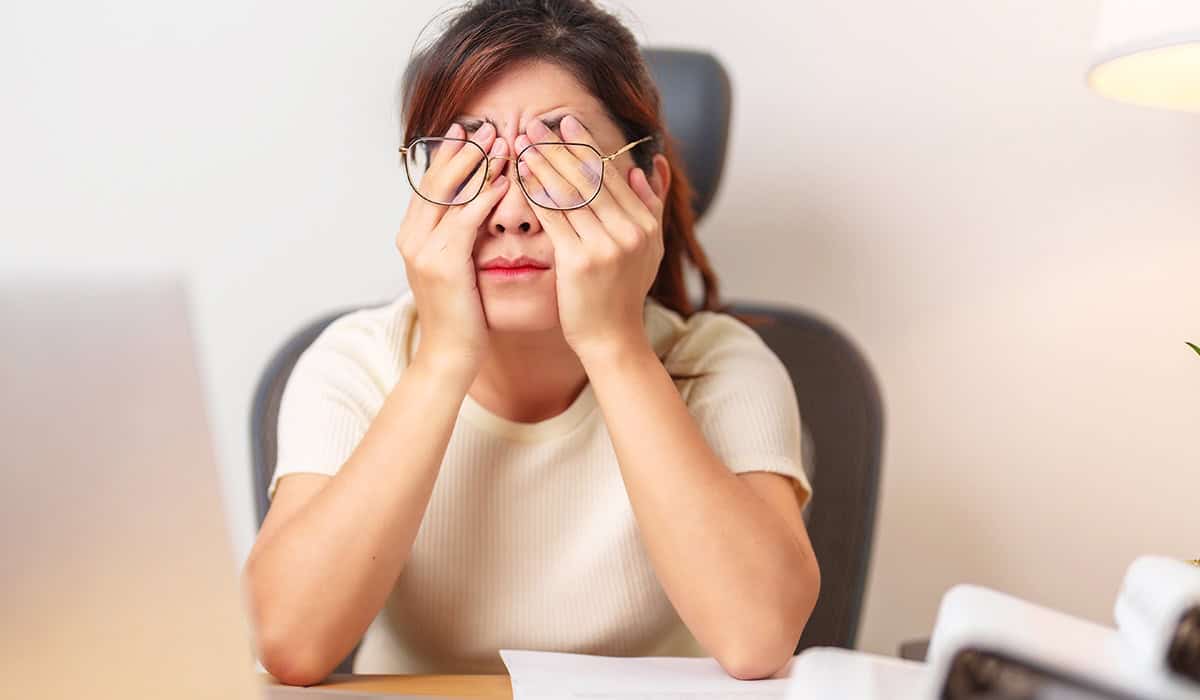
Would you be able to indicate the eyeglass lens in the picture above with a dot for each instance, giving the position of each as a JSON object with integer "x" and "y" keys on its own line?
{"x": 553, "y": 175}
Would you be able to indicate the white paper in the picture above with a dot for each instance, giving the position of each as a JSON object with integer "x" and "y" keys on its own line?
{"x": 538, "y": 675}
{"x": 826, "y": 673}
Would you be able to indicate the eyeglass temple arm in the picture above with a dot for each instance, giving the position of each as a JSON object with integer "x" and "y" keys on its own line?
{"x": 625, "y": 148}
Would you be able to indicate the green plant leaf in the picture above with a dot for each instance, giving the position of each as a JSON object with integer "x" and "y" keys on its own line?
{"x": 1193, "y": 346}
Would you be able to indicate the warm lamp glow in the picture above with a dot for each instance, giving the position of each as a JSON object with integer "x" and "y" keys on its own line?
{"x": 1166, "y": 77}
{"x": 1148, "y": 52}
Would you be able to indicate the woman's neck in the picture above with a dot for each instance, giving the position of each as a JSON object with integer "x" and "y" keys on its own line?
{"x": 528, "y": 377}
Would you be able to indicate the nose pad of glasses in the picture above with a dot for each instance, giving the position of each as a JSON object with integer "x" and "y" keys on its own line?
{"x": 504, "y": 161}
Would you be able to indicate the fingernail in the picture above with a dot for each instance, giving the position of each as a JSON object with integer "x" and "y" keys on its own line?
{"x": 486, "y": 130}
{"x": 571, "y": 124}
{"x": 521, "y": 142}
{"x": 536, "y": 128}
{"x": 498, "y": 147}
{"x": 455, "y": 131}
{"x": 500, "y": 183}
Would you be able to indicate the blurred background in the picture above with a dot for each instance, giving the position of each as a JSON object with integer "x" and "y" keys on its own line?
{"x": 1016, "y": 256}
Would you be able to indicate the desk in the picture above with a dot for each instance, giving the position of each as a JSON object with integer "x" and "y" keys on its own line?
{"x": 495, "y": 687}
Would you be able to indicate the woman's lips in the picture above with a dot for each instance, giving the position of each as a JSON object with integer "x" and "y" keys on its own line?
{"x": 523, "y": 271}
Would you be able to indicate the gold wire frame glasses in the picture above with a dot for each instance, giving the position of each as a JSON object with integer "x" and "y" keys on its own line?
{"x": 578, "y": 171}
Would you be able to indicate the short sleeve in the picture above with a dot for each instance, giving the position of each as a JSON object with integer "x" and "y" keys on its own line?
{"x": 334, "y": 392}
{"x": 742, "y": 398}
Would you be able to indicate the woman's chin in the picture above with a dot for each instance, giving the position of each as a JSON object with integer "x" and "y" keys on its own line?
{"x": 520, "y": 313}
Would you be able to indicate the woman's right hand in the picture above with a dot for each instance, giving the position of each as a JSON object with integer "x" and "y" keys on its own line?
{"x": 437, "y": 242}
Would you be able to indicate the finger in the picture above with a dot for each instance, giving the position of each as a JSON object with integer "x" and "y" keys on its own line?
{"x": 423, "y": 216}
{"x": 640, "y": 185}
{"x": 540, "y": 177}
{"x": 447, "y": 149}
{"x": 617, "y": 223}
{"x": 562, "y": 235}
{"x": 458, "y": 178}
{"x": 615, "y": 195}
{"x": 460, "y": 227}
{"x": 576, "y": 164}
{"x": 463, "y": 223}
{"x": 554, "y": 168}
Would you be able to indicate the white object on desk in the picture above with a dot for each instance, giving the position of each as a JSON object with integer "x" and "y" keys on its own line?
{"x": 979, "y": 619}
{"x": 536, "y": 675}
{"x": 827, "y": 673}
{"x": 1154, "y": 596}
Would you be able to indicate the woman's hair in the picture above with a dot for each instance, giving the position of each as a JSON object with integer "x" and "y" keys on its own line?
{"x": 484, "y": 37}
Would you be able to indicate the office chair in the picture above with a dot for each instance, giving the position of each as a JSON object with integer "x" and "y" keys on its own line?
{"x": 836, "y": 389}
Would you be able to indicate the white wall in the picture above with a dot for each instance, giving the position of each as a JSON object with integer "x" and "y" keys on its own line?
{"x": 1016, "y": 256}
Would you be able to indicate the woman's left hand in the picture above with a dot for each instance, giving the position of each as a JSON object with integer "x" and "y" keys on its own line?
{"x": 606, "y": 255}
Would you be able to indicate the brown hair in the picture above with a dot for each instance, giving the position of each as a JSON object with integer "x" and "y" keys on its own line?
{"x": 484, "y": 37}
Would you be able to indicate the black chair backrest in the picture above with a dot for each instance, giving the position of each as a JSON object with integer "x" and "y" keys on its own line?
{"x": 696, "y": 100}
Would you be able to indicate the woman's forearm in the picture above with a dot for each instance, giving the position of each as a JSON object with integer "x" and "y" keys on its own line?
{"x": 733, "y": 569}
{"x": 318, "y": 579}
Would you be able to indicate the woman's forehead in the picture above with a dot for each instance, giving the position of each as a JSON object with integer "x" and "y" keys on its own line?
{"x": 534, "y": 90}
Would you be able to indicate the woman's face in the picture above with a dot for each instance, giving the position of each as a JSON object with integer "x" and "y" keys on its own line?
{"x": 526, "y": 300}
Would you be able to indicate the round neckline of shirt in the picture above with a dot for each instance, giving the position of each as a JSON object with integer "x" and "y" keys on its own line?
{"x": 555, "y": 426}
{"x": 474, "y": 412}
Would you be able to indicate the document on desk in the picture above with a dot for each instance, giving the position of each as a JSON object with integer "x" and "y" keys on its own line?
{"x": 826, "y": 673}
{"x": 540, "y": 675}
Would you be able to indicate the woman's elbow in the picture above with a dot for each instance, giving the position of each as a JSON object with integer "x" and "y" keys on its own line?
{"x": 750, "y": 664}
{"x": 293, "y": 656}
{"x": 293, "y": 663}
{"x": 762, "y": 655}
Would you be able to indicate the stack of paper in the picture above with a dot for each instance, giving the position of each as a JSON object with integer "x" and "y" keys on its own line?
{"x": 542, "y": 675}
{"x": 827, "y": 673}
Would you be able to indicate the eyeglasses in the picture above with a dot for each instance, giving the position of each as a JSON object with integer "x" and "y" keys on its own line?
{"x": 452, "y": 172}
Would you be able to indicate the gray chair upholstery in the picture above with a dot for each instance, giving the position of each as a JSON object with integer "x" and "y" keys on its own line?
{"x": 836, "y": 390}
{"x": 696, "y": 100}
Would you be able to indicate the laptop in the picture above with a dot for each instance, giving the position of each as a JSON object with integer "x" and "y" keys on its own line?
{"x": 117, "y": 578}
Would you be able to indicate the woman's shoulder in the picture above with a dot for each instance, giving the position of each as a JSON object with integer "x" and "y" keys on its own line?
{"x": 705, "y": 341}
{"x": 373, "y": 338}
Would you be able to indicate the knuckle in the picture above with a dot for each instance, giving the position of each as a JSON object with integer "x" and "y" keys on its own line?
{"x": 588, "y": 263}
{"x": 607, "y": 255}
{"x": 425, "y": 260}
{"x": 411, "y": 251}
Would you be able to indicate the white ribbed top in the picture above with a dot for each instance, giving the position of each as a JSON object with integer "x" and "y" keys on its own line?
{"x": 529, "y": 541}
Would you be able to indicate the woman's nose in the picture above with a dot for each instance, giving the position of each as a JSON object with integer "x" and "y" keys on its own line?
{"x": 514, "y": 213}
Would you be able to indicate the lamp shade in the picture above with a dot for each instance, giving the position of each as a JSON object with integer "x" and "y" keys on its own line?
{"x": 1148, "y": 52}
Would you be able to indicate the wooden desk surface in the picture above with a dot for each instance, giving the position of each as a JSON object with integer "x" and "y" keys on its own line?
{"x": 497, "y": 686}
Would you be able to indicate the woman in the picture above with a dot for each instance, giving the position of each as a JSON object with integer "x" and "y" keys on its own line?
{"x": 541, "y": 446}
